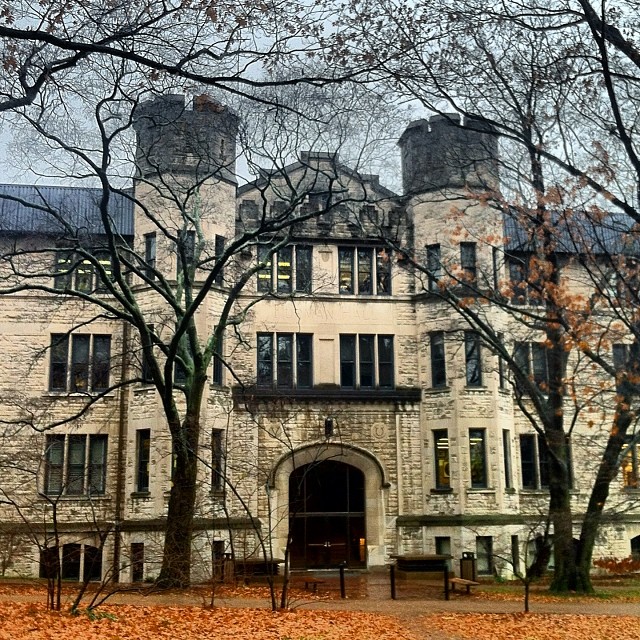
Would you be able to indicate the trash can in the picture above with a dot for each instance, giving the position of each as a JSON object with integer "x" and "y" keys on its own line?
{"x": 468, "y": 566}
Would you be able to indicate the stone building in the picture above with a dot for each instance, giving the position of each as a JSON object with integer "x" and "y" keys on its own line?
{"x": 351, "y": 412}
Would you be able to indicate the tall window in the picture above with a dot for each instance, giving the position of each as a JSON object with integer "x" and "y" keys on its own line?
{"x": 502, "y": 369}
{"x": 438, "y": 360}
{"x": 75, "y": 464}
{"x": 631, "y": 466}
{"x": 218, "y": 362}
{"x": 143, "y": 457}
{"x": 366, "y": 361}
{"x": 478, "y": 458}
{"x": 292, "y": 272}
{"x": 364, "y": 271}
{"x": 531, "y": 359}
{"x": 506, "y": 454}
{"x": 468, "y": 261}
{"x": 285, "y": 360}
{"x": 219, "y": 252}
{"x": 534, "y": 461}
{"x": 150, "y": 255}
{"x": 217, "y": 459}
{"x": 434, "y": 265}
{"x": 441, "y": 445}
{"x": 522, "y": 289}
{"x": 484, "y": 555}
{"x": 82, "y": 368}
{"x": 187, "y": 240}
{"x": 472, "y": 358}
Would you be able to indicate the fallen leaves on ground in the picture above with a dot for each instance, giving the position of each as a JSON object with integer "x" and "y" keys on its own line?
{"x": 534, "y": 626}
{"x": 19, "y": 621}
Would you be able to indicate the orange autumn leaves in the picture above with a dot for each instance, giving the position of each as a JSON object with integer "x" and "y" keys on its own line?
{"x": 494, "y": 626}
{"x": 19, "y": 621}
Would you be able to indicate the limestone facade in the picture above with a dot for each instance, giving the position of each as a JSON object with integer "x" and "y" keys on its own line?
{"x": 344, "y": 367}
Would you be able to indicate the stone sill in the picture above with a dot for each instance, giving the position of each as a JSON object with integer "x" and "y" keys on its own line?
{"x": 481, "y": 490}
{"x": 83, "y": 498}
{"x": 436, "y": 390}
{"x": 140, "y": 495}
{"x": 77, "y": 395}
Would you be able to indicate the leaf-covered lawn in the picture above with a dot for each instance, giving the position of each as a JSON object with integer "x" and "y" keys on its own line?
{"x": 534, "y": 626}
{"x": 19, "y": 621}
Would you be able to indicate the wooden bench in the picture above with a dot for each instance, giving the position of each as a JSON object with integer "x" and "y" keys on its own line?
{"x": 312, "y": 583}
{"x": 463, "y": 583}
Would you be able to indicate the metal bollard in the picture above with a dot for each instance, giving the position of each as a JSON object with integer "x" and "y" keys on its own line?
{"x": 392, "y": 575}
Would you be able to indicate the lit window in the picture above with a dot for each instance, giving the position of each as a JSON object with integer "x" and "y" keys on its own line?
{"x": 630, "y": 469}
{"x": 365, "y": 271}
{"x": 441, "y": 444}
{"x": 477, "y": 458}
{"x": 293, "y": 266}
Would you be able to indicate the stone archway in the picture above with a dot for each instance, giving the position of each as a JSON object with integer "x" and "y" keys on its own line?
{"x": 362, "y": 531}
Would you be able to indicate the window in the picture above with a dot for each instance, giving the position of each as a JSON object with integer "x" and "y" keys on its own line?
{"x": 292, "y": 271}
{"x": 218, "y": 363}
{"x": 441, "y": 444}
{"x": 366, "y": 361}
{"x": 434, "y": 266}
{"x": 365, "y": 271}
{"x": 187, "y": 240}
{"x": 534, "y": 461}
{"x": 285, "y": 360}
{"x": 217, "y": 460}
{"x": 72, "y": 271}
{"x": 85, "y": 369}
{"x": 523, "y": 290}
{"x": 143, "y": 456}
{"x": 629, "y": 467}
{"x": 150, "y": 255}
{"x": 75, "y": 464}
{"x": 531, "y": 359}
{"x": 484, "y": 555}
{"x": 477, "y": 458}
{"x": 472, "y": 359}
{"x": 443, "y": 548}
{"x": 502, "y": 369}
{"x": 625, "y": 359}
{"x": 438, "y": 361}
{"x": 468, "y": 261}
{"x": 219, "y": 252}
{"x": 137, "y": 561}
{"x": 506, "y": 454}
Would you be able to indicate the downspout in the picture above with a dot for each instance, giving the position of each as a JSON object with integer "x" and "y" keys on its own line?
{"x": 120, "y": 465}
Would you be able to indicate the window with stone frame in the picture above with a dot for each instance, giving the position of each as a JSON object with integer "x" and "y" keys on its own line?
{"x": 530, "y": 358}
{"x": 478, "y": 458}
{"x": 75, "y": 465}
{"x": 484, "y": 555}
{"x": 150, "y": 255}
{"x": 285, "y": 360}
{"x": 366, "y": 361}
{"x": 79, "y": 363}
{"x": 286, "y": 271}
{"x": 468, "y": 262}
{"x": 364, "y": 271}
{"x": 473, "y": 359}
{"x": 438, "y": 360}
{"x": 434, "y": 266}
{"x": 534, "y": 461}
{"x": 630, "y": 467}
{"x": 143, "y": 458}
{"x": 73, "y": 271}
{"x": 441, "y": 452}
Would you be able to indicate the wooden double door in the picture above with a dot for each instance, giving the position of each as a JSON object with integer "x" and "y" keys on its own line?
{"x": 327, "y": 516}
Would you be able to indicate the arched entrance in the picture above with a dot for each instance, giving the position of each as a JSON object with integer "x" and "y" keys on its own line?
{"x": 327, "y": 515}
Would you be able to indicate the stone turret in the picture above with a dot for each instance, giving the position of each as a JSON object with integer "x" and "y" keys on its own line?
{"x": 198, "y": 140}
{"x": 444, "y": 153}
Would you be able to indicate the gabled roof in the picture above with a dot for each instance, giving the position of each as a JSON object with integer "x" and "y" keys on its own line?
{"x": 308, "y": 159}
{"x": 33, "y": 209}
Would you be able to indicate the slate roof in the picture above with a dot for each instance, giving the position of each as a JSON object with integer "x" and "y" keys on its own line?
{"x": 28, "y": 208}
